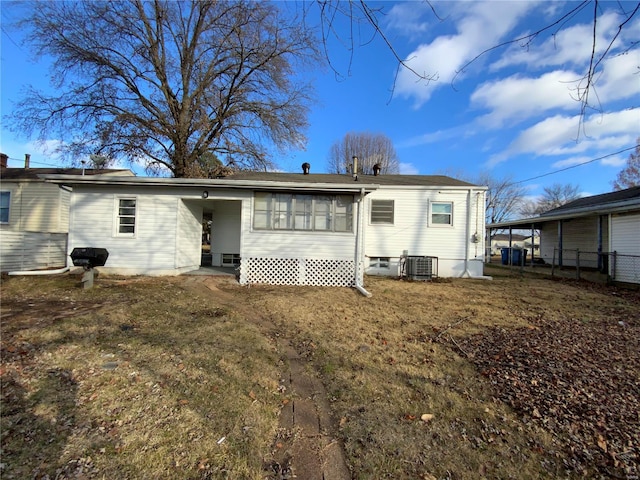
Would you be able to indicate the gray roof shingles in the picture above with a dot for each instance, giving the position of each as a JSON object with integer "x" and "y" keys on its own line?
{"x": 597, "y": 200}
{"x": 395, "y": 180}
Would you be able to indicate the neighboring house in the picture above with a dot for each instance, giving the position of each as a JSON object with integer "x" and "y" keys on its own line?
{"x": 34, "y": 217}
{"x": 280, "y": 228}
{"x": 502, "y": 240}
{"x": 591, "y": 229}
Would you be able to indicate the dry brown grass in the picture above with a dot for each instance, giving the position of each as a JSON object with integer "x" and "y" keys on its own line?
{"x": 135, "y": 378}
{"x": 190, "y": 370}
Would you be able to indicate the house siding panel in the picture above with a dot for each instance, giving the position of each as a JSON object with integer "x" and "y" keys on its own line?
{"x": 154, "y": 244}
{"x": 625, "y": 234}
{"x": 226, "y": 227}
{"x": 413, "y": 231}
{"x": 32, "y": 250}
{"x": 189, "y": 235}
{"x": 37, "y": 207}
{"x": 168, "y": 227}
{"x": 577, "y": 234}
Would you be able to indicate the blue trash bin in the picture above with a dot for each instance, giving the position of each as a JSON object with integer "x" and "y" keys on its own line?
{"x": 505, "y": 255}
{"x": 516, "y": 256}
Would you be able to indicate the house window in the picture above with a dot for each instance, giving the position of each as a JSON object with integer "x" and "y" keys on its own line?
{"x": 442, "y": 213}
{"x": 230, "y": 260}
{"x": 5, "y": 202}
{"x": 126, "y": 217}
{"x": 288, "y": 211}
{"x": 382, "y": 211}
{"x": 379, "y": 262}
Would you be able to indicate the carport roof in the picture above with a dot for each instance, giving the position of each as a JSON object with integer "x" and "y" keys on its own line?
{"x": 615, "y": 202}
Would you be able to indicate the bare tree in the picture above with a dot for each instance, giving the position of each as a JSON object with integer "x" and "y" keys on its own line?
{"x": 629, "y": 176}
{"x": 370, "y": 148}
{"x": 166, "y": 82}
{"x": 503, "y": 197}
{"x": 553, "y": 196}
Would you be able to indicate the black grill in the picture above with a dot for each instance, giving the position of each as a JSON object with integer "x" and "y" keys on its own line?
{"x": 89, "y": 257}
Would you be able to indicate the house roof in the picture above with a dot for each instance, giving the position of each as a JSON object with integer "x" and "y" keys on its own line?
{"x": 597, "y": 201}
{"x": 499, "y": 237}
{"x": 276, "y": 181}
{"x": 615, "y": 202}
{"x": 37, "y": 173}
{"x": 393, "y": 180}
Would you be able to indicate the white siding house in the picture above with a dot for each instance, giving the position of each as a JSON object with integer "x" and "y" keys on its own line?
{"x": 34, "y": 217}
{"x": 279, "y": 228}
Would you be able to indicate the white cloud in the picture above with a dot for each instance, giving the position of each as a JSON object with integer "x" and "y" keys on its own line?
{"x": 557, "y": 135}
{"x": 568, "y": 46}
{"x": 518, "y": 97}
{"x": 410, "y": 18}
{"x": 479, "y": 26}
{"x": 620, "y": 77}
{"x": 408, "y": 169}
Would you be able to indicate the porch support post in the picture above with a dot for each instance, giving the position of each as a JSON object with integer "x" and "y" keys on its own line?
{"x": 510, "y": 245}
{"x": 560, "y": 243}
{"x": 600, "y": 243}
{"x": 533, "y": 243}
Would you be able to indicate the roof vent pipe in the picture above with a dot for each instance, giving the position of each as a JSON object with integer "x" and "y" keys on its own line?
{"x": 355, "y": 167}
{"x": 376, "y": 169}
{"x": 305, "y": 168}
{"x": 27, "y": 159}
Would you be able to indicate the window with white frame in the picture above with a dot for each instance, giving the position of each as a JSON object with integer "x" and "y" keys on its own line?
{"x": 382, "y": 211}
{"x": 5, "y": 204}
{"x": 292, "y": 211}
{"x": 379, "y": 262}
{"x": 441, "y": 213}
{"x": 230, "y": 260}
{"x": 126, "y": 217}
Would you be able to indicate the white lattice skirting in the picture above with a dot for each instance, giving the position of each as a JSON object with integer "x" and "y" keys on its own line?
{"x": 297, "y": 271}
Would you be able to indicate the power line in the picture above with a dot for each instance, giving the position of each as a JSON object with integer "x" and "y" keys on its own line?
{"x": 576, "y": 165}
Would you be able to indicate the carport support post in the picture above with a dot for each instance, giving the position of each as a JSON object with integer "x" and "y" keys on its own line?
{"x": 560, "y": 243}
{"x": 510, "y": 246}
{"x": 600, "y": 222}
{"x": 533, "y": 242}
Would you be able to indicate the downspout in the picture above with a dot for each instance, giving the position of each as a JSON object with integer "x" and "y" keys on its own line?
{"x": 358, "y": 254}
{"x": 41, "y": 272}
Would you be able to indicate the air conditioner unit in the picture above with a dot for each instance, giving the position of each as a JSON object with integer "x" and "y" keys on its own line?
{"x": 421, "y": 268}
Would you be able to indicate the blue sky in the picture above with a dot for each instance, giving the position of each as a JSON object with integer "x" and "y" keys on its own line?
{"x": 510, "y": 112}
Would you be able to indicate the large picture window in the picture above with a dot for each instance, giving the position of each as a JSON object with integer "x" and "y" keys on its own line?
{"x": 5, "y": 204}
{"x": 290, "y": 211}
{"x": 382, "y": 211}
{"x": 126, "y": 217}
{"x": 442, "y": 213}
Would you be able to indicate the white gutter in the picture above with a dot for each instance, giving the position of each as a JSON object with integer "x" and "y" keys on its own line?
{"x": 356, "y": 284}
{"x": 41, "y": 272}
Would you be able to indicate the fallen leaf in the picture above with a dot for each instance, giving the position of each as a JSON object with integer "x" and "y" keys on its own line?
{"x": 602, "y": 443}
